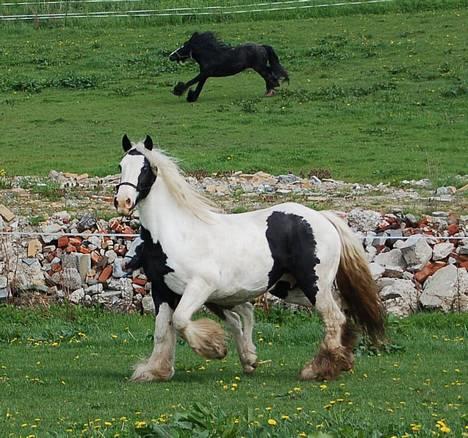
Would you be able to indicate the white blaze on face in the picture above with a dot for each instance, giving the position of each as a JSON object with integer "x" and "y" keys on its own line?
{"x": 126, "y": 195}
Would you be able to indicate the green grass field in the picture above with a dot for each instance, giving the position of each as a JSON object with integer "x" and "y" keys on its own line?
{"x": 65, "y": 370}
{"x": 373, "y": 97}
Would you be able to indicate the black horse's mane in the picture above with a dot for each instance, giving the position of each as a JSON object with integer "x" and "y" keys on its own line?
{"x": 207, "y": 41}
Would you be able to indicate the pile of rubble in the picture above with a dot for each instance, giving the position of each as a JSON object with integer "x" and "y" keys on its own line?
{"x": 418, "y": 262}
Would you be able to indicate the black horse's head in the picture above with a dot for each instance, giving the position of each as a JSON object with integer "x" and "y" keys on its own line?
{"x": 136, "y": 179}
{"x": 198, "y": 43}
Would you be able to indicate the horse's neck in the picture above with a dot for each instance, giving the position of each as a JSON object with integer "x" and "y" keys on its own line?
{"x": 163, "y": 216}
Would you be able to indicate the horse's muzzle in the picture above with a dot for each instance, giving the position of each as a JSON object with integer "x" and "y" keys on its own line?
{"x": 124, "y": 206}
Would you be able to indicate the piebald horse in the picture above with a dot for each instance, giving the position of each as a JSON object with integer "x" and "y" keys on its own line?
{"x": 194, "y": 256}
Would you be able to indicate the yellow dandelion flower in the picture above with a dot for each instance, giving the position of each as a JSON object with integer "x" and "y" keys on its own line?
{"x": 107, "y": 423}
{"x": 285, "y": 417}
{"x": 302, "y": 434}
{"x": 323, "y": 387}
{"x": 415, "y": 427}
{"x": 272, "y": 422}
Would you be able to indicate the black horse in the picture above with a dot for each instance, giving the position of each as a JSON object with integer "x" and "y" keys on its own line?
{"x": 217, "y": 59}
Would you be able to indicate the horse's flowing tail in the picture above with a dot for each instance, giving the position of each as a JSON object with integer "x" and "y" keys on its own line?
{"x": 278, "y": 71}
{"x": 356, "y": 284}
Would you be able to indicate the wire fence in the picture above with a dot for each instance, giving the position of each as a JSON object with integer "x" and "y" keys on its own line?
{"x": 214, "y": 10}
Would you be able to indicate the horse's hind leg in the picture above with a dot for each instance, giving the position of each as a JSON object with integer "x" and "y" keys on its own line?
{"x": 160, "y": 365}
{"x": 270, "y": 81}
{"x": 336, "y": 351}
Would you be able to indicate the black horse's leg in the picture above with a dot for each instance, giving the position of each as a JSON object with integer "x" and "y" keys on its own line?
{"x": 193, "y": 95}
{"x": 270, "y": 81}
{"x": 181, "y": 88}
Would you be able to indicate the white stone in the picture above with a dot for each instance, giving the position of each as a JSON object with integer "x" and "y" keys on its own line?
{"x": 442, "y": 250}
{"x": 71, "y": 279}
{"x": 447, "y": 290}
{"x": 148, "y": 304}
{"x": 363, "y": 220}
{"x": 376, "y": 270}
{"x": 416, "y": 253}
{"x": 392, "y": 259}
{"x": 29, "y": 275}
{"x": 76, "y": 296}
{"x": 400, "y": 298}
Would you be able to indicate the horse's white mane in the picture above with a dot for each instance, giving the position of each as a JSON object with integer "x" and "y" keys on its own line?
{"x": 185, "y": 195}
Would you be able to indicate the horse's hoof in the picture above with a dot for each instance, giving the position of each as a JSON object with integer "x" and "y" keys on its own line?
{"x": 270, "y": 93}
{"x": 179, "y": 89}
{"x": 191, "y": 96}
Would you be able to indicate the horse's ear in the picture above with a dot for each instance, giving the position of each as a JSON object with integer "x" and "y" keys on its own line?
{"x": 126, "y": 144}
{"x": 148, "y": 143}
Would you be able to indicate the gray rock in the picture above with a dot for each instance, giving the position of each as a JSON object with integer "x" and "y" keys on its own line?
{"x": 29, "y": 275}
{"x": 376, "y": 270}
{"x": 463, "y": 249}
{"x": 84, "y": 265}
{"x": 288, "y": 179}
{"x": 446, "y": 290}
{"x": 363, "y": 220}
{"x": 148, "y": 304}
{"x": 371, "y": 252}
{"x": 70, "y": 261}
{"x": 86, "y": 222}
{"x": 411, "y": 219}
{"x": 94, "y": 289}
{"x": 71, "y": 279}
{"x": 94, "y": 240}
{"x": 416, "y": 253}
{"x": 4, "y": 294}
{"x": 3, "y": 282}
{"x": 117, "y": 271}
{"x": 111, "y": 256}
{"x": 391, "y": 259}
{"x": 400, "y": 298}
{"x": 127, "y": 289}
{"x": 442, "y": 250}
{"x": 440, "y": 214}
{"x": 51, "y": 232}
{"x": 113, "y": 284}
{"x": 76, "y": 296}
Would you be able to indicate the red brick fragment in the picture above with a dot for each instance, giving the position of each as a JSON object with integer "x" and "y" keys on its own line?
{"x": 62, "y": 242}
{"x": 139, "y": 281}
{"x": 120, "y": 250}
{"x": 140, "y": 290}
{"x": 452, "y": 229}
{"x": 70, "y": 248}
{"x": 56, "y": 267}
{"x": 464, "y": 264}
{"x": 105, "y": 274}
{"x": 84, "y": 250}
{"x": 428, "y": 270}
{"x": 75, "y": 241}
{"x": 95, "y": 258}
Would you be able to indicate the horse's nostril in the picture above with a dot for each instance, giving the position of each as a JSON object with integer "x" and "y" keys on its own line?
{"x": 128, "y": 202}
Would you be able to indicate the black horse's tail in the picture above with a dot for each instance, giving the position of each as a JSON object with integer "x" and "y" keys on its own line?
{"x": 277, "y": 69}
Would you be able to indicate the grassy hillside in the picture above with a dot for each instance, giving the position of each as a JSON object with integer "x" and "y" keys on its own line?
{"x": 371, "y": 98}
{"x": 64, "y": 371}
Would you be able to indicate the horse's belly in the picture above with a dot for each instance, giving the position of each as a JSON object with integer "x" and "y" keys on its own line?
{"x": 239, "y": 297}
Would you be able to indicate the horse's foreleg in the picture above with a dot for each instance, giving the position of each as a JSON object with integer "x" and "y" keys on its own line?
{"x": 160, "y": 365}
{"x": 182, "y": 87}
{"x": 249, "y": 360}
{"x": 193, "y": 95}
{"x": 205, "y": 336}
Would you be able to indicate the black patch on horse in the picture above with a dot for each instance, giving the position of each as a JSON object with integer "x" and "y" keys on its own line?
{"x": 146, "y": 180}
{"x": 152, "y": 258}
{"x": 293, "y": 248}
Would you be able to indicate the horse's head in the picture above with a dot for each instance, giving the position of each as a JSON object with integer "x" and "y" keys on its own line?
{"x": 136, "y": 178}
{"x": 184, "y": 52}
